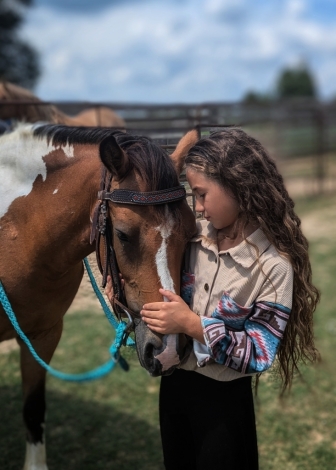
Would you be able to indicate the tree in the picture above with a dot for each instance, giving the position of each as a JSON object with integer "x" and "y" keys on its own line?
{"x": 255, "y": 98}
{"x": 296, "y": 82}
{"x": 18, "y": 61}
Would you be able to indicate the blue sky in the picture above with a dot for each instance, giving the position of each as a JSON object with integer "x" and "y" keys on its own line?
{"x": 169, "y": 51}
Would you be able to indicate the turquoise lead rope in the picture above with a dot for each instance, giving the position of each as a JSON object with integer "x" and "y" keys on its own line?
{"x": 114, "y": 350}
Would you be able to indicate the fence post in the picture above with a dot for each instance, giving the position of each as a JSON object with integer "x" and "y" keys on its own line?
{"x": 320, "y": 148}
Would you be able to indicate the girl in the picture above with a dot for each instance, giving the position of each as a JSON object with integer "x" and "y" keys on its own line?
{"x": 247, "y": 296}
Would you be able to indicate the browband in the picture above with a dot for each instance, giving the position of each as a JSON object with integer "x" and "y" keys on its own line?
{"x": 127, "y": 196}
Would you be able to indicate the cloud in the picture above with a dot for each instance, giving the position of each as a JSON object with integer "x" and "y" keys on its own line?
{"x": 187, "y": 51}
{"x": 78, "y": 6}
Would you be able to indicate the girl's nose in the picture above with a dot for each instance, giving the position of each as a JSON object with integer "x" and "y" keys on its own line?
{"x": 198, "y": 206}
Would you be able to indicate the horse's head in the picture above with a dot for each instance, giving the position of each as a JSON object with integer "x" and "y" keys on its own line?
{"x": 149, "y": 240}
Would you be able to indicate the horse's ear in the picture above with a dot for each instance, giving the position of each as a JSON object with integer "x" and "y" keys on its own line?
{"x": 113, "y": 157}
{"x": 182, "y": 148}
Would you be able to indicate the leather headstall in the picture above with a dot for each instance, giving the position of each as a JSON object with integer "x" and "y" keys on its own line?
{"x": 102, "y": 231}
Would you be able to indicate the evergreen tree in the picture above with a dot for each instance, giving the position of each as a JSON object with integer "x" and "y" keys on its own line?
{"x": 296, "y": 82}
{"x": 18, "y": 60}
{"x": 256, "y": 98}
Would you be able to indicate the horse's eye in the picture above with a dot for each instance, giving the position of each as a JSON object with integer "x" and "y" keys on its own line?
{"x": 122, "y": 236}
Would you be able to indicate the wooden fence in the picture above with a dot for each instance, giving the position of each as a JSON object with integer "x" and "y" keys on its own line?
{"x": 300, "y": 135}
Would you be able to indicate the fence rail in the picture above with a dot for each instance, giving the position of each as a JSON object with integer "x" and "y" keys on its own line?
{"x": 300, "y": 135}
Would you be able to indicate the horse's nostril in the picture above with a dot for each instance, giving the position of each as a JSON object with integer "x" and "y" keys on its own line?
{"x": 152, "y": 365}
{"x": 149, "y": 354}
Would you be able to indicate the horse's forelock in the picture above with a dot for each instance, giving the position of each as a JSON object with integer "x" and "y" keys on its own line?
{"x": 150, "y": 161}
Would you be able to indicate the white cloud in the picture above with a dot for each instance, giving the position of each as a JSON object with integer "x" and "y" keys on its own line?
{"x": 177, "y": 51}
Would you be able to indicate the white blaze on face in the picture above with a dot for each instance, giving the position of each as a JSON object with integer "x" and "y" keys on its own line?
{"x": 168, "y": 357}
{"x": 21, "y": 161}
{"x": 35, "y": 457}
{"x": 161, "y": 257}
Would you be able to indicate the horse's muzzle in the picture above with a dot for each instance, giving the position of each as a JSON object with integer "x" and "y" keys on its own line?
{"x": 160, "y": 354}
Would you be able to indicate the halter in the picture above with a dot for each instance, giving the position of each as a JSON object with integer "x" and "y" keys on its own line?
{"x": 102, "y": 232}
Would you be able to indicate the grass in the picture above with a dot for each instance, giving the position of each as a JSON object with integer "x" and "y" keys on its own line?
{"x": 113, "y": 423}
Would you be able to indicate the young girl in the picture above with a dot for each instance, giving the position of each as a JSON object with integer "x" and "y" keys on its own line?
{"x": 248, "y": 296}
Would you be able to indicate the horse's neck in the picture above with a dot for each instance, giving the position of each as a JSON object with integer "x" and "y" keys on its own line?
{"x": 72, "y": 192}
{"x": 53, "y": 218}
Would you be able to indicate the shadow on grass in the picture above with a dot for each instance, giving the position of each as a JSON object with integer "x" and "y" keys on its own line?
{"x": 80, "y": 435}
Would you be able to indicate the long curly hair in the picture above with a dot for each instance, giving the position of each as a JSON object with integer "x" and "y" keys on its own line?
{"x": 239, "y": 163}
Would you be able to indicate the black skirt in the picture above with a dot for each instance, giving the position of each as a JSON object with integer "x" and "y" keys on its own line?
{"x": 207, "y": 424}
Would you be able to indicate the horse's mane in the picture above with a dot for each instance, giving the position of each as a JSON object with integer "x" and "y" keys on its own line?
{"x": 146, "y": 157}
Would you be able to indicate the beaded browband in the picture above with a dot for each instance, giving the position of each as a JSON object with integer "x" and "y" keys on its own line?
{"x": 127, "y": 196}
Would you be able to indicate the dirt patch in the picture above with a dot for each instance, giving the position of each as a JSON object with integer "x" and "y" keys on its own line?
{"x": 8, "y": 346}
{"x": 319, "y": 224}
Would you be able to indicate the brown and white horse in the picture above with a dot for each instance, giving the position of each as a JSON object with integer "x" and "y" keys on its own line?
{"x": 11, "y": 107}
{"x": 50, "y": 176}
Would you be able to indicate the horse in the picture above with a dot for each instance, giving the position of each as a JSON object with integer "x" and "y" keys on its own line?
{"x": 37, "y": 111}
{"x": 48, "y": 199}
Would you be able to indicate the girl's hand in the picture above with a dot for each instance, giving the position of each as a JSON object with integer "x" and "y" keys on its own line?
{"x": 109, "y": 287}
{"x": 172, "y": 317}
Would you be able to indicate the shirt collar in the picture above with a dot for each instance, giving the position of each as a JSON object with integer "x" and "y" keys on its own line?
{"x": 243, "y": 254}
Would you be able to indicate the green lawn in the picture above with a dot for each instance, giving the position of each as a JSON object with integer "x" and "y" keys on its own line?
{"x": 113, "y": 423}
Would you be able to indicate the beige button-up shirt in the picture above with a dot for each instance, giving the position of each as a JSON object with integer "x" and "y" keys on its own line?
{"x": 243, "y": 296}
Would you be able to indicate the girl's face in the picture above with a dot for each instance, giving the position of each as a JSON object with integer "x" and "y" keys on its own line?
{"x": 218, "y": 205}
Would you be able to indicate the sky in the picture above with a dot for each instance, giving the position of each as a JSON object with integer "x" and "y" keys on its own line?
{"x": 178, "y": 51}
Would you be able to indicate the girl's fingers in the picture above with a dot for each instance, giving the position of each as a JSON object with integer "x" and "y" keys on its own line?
{"x": 150, "y": 312}
{"x": 152, "y": 322}
{"x": 171, "y": 296}
{"x": 155, "y": 306}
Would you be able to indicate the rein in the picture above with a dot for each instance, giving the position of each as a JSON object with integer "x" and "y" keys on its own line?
{"x": 102, "y": 233}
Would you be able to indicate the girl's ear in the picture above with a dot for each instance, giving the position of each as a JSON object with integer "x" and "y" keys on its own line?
{"x": 182, "y": 148}
{"x": 113, "y": 157}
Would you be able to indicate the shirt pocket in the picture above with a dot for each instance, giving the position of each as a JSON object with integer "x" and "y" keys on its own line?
{"x": 187, "y": 286}
{"x": 233, "y": 314}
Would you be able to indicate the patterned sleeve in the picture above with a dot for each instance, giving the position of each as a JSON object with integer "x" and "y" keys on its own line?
{"x": 187, "y": 286}
{"x": 245, "y": 339}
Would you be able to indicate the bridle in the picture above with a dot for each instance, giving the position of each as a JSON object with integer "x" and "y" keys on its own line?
{"x": 102, "y": 233}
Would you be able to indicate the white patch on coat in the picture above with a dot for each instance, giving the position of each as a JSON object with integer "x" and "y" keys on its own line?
{"x": 68, "y": 150}
{"x": 161, "y": 258}
{"x": 21, "y": 161}
{"x": 35, "y": 457}
{"x": 55, "y": 191}
{"x": 169, "y": 357}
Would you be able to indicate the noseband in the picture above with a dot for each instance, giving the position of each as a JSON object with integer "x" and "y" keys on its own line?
{"x": 102, "y": 232}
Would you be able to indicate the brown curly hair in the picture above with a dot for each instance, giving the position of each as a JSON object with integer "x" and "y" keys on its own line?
{"x": 239, "y": 162}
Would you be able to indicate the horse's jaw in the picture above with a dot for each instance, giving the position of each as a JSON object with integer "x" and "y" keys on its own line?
{"x": 158, "y": 354}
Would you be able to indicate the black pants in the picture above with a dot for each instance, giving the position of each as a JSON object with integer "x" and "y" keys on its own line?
{"x": 207, "y": 424}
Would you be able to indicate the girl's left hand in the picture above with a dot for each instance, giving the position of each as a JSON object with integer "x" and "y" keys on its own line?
{"x": 167, "y": 317}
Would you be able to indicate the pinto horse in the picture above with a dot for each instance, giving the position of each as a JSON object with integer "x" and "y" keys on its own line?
{"x": 37, "y": 111}
{"x": 50, "y": 178}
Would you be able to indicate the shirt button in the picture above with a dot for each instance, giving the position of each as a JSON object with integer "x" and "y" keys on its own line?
{"x": 206, "y": 287}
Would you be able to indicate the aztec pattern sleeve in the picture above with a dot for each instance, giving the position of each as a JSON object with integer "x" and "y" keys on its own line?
{"x": 245, "y": 339}
{"x": 187, "y": 286}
